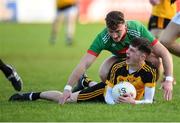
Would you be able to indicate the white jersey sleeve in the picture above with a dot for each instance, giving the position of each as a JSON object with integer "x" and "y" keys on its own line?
{"x": 176, "y": 18}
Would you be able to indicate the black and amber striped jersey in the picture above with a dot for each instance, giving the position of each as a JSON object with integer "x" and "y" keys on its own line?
{"x": 145, "y": 76}
{"x": 166, "y": 9}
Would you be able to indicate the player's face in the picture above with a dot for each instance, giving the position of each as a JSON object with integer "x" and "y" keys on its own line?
{"x": 133, "y": 56}
{"x": 118, "y": 33}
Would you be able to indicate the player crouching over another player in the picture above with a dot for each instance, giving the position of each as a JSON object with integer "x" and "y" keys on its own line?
{"x": 135, "y": 70}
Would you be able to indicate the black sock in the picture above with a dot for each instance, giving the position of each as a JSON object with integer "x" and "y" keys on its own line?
{"x": 1, "y": 63}
{"x": 31, "y": 96}
{"x": 36, "y": 95}
{"x": 7, "y": 72}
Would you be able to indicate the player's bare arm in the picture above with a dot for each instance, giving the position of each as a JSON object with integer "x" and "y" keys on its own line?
{"x": 84, "y": 64}
{"x": 162, "y": 52}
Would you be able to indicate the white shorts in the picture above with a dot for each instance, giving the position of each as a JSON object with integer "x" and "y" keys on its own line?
{"x": 176, "y": 18}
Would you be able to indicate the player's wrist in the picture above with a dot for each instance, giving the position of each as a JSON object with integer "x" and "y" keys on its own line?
{"x": 169, "y": 78}
{"x": 133, "y": 102}
{"x": 68, "y": 87}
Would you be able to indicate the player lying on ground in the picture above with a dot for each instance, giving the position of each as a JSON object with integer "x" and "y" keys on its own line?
{"x": 135, "y": 70}
{"x": 11, "y": 74}
{"x": 115, "y": 38}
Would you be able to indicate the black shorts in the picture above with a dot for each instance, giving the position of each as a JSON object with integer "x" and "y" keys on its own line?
{"x": 92, "y": 94}
{"x": 157, "y": 22}
{"x": 65, "y": 7}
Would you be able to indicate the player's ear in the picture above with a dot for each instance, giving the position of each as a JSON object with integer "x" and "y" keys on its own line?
{"x": 143, "y": 56}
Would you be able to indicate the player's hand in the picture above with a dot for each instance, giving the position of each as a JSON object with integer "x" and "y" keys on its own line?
{"x": 167, "y": 88}
{"x": 66, "y": 94}
{"x": 126, "y": 98}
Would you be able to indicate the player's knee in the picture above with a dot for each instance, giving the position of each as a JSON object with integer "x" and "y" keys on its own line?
{"x": 103, "y": 75}
{"x": 105, "y": 67}
{"x": 73, "y": 97}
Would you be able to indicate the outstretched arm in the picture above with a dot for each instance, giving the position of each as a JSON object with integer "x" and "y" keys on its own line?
{"x": 84, "y": 64}
{"x": 162, "y": 52}
{"x": 81, "y": 68}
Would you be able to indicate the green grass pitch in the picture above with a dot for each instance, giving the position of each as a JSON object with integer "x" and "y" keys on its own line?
{"x": 46, "y": 67}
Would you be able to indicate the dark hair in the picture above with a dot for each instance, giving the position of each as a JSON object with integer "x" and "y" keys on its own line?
{"x": 142, "y": 44}
{"x": 114, "y": 18}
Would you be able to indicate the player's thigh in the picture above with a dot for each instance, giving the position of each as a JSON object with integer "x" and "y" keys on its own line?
{"x": 60, "y": 15}
{"x": 170, "y": 34}
{"x": 71, "y": 14}
{"x": 92, "y": 94}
